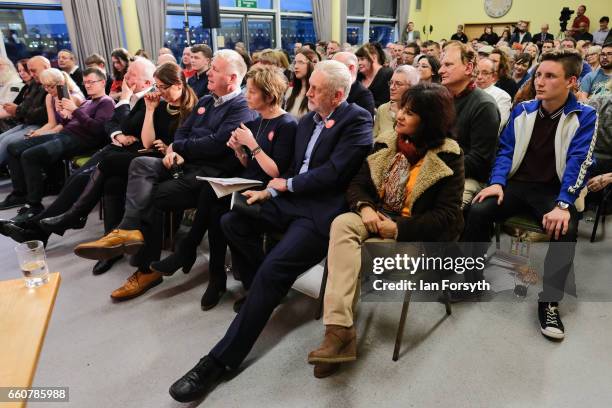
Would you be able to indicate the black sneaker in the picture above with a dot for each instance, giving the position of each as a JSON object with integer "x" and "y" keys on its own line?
{"x": 550, "y": 320}
{"x": 26, "y": 212}
{"x": 11, "y": 201}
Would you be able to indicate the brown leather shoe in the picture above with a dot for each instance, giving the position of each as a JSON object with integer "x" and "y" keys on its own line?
{"x": 339, "y": 345}
{"x": 112, "y": 245}
{"x": 322, "y": 370}
{"x": 136, "y": 285}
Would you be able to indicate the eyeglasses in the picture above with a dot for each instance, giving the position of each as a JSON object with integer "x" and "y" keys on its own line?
{"x": 484, "y": 73}
{"x": 87, "y": 83}
{"x": 162, "y": 87}
{"x": 50, "y": 86}
{"x": 409, "y": 53}
{"x": 397, "y": 84}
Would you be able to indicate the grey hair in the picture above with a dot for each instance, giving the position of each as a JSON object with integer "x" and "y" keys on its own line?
{"x": 235, "y": 62}
{"x": 410, "y": 72}
{"x": 337, "y": 76}
{"x": 347, "y": 57}
{"x": 148, "y": 68}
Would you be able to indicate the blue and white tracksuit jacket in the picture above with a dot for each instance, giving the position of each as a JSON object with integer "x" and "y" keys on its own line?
{"x": 574, "y": 143}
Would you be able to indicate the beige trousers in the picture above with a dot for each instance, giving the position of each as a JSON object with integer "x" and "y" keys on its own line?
{"x": 471, "y": 188}
{"x": 347, "y": 235}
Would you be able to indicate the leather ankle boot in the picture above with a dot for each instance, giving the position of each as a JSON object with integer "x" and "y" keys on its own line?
{"x": 339, "y": 345}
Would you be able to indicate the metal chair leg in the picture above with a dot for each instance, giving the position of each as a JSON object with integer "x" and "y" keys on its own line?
{"x": 447, "y": 303}
{"x": 597, "y": 216}
{"x": 402, "y": 323}
{"x": 321, "y": 299}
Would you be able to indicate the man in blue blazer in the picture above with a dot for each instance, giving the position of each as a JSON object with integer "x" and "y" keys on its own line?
{"x": 331, "y": 143}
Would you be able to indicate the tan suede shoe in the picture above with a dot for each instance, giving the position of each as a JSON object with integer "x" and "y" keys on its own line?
{"x": 117, "y": 242}
{"x": 322, "y": 370}
{"x": 339, "y": 345}
{"x": 136, "y": 285}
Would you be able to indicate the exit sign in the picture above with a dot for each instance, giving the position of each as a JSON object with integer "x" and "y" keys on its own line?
{"x": 246, "y": 3}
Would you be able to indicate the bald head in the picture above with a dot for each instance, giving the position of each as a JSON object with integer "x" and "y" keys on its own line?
{"x": 163, "y": 58}
{"x": 36, "y": 65}
{"x": 350, "y": 60}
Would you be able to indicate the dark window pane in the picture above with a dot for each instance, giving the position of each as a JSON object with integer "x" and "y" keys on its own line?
{"x": 176, "y": 38}
{"x": 260, "y": 34}
{"x": 231, "y": 30}
{"x": 382, "y": 8}
{"x": 354, "y": 33}
{"x": 355, "y": 8}
{"x": 33, "y": 32}
{"x": 296, "y": 5}
{"x": 382, "y": 33}
{"x": 296, "y": 29}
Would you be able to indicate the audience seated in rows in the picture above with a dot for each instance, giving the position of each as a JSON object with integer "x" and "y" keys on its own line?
{"x": 331, "y": 143}
{"x": 73, "y": 127}
{"x": 82, "y": 190}
{"x": 156, "y": 184}
{"x": 264, "y": 148}
{"x": 29, "y": 115}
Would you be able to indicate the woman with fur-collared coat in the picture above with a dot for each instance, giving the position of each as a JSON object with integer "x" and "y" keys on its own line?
{"x": 409, "y": 188}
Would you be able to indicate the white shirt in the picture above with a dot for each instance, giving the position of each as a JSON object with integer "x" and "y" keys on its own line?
{"x": 504, "y": 103}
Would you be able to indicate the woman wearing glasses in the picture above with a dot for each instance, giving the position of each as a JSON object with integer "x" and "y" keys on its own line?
{"x": 166, "y": 107}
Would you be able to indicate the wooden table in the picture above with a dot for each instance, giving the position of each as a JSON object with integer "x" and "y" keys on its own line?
{"x": 24, "y": 317}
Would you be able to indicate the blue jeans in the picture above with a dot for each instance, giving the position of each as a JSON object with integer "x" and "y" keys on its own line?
{"x": 13, "y": 135}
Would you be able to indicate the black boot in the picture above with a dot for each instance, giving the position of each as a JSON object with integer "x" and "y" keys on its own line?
{"x": 184, "y": 258}
{"x": 103, "y": 266}
{"x": 212, "y": 295}
{"x": 73, "y": 218}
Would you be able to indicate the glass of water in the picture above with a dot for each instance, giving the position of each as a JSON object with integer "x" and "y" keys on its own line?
{"x": 33, "y": 263}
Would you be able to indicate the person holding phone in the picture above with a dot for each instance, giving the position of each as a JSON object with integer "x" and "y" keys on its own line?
{"x": 167, "y": 105}
{"x": 409, "y": 189}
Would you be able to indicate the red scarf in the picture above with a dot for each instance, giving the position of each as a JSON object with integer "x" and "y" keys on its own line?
{"x": 408, "y": 149}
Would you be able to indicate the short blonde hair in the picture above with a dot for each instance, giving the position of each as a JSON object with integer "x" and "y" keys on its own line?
{"x": 53, "y": 76}
{"x": 270, "y": 80}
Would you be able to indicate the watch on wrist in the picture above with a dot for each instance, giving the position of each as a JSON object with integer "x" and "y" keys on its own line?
{"x": 562, "y": 205}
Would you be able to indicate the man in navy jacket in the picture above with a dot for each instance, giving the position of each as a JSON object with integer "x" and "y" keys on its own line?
{"x": 199, "y": 149}
{"x": 331, "y": 143}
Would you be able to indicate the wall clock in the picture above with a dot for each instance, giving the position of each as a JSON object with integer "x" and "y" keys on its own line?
{"x": 497, "y": 8}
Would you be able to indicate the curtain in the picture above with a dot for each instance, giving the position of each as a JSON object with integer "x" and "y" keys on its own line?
{"x": 322, "y": 19}
{"x": 343, "y": 22}
{"x": 152, "y": 20}
{"x": 403, "y": 9}
{"x": 93, "y": 26}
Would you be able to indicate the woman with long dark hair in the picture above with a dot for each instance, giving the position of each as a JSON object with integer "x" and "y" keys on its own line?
{"x": 428, "y": 67}
{"x": 409, "y": 189}
{"x": 303, "y": 65}
{"x": 489, "y": 36}
{"x": 120, "y": 60}
{"x": 372, "y": 74}
{"x": 269, "y": 143}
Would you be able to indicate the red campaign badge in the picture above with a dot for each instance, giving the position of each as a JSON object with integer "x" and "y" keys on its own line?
{"x": 201, "y": 111}
{"x": 271, "y": 135}
{"x": 330, "y": 123}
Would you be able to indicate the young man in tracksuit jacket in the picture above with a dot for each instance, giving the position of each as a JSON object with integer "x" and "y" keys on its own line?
{"x": 541, "y": 168}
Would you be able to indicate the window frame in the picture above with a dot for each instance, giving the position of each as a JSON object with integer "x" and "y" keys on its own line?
{"x": 367, "y": 20}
